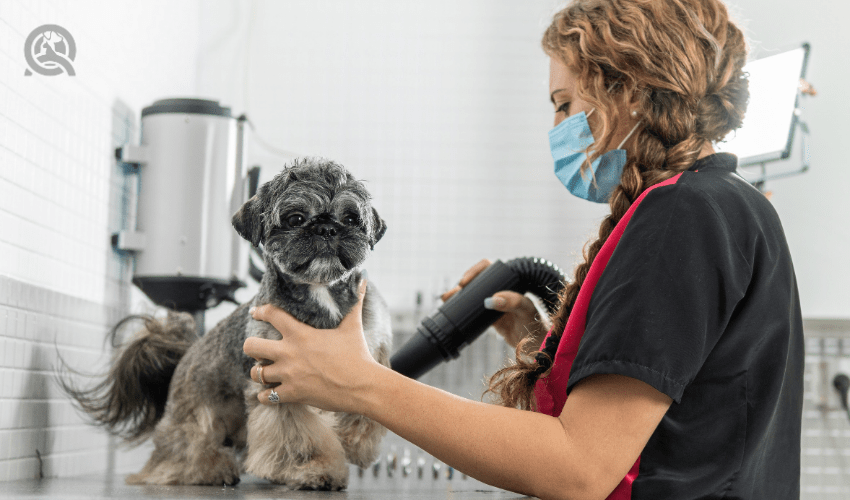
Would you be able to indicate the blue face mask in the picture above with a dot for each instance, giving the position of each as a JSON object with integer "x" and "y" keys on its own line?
{"x": 568, "y": 142}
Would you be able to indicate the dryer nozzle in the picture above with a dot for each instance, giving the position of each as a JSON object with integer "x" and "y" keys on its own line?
{"x": 463, "y": 318}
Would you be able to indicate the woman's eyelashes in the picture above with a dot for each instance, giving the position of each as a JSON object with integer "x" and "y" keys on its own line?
{"x": 563, "y": 108}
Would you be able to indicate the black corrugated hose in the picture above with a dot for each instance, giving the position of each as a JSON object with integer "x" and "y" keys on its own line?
{"x": 463, "y": 318}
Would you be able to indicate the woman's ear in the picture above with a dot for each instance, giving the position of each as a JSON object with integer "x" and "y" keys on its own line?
{"x": 632, "y": 98}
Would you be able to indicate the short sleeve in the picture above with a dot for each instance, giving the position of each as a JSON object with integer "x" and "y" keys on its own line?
{"x": 666, "y": 294}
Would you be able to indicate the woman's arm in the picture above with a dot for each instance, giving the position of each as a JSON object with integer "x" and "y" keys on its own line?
{"x": 606, "y": 422}
{"x": 584, "y": 453}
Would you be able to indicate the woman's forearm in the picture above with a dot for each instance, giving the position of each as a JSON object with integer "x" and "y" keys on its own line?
{"x": 583, "y": 453}
{"x": 523, "y": 450}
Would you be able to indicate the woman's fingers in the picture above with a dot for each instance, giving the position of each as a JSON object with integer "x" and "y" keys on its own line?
{"x": 282, "y": 321}
{"x": 279, "y": 318}
{"x": 265, "y": 397}
{"x": 507, "y": 301}
{"x": 474, "y": 271}
{"x": 521, "y": 316}
{"x": 447, "y": 295}
{"x": 468, "y": 276}
{"x": 354, "y": 318}
{"x": 263, "y": 374}
{"x": 259, "y": 348}
{"x": 285, "y": 322}
{"x": 296, "y": 338}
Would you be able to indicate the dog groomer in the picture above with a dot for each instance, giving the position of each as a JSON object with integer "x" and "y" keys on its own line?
{"x": 673, "y": 368}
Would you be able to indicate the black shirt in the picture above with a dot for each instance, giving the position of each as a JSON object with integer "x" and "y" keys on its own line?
{"x": 699, "y": 299}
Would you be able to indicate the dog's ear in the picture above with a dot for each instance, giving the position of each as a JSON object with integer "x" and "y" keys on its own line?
{"x": 379, "y": 227}
{"x": 248, "y": 220}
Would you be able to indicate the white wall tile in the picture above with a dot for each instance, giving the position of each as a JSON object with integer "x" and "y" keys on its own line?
{"x": 60, "y": 283}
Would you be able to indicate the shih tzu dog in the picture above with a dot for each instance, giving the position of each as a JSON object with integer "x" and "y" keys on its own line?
{"x": 316, "y": 226}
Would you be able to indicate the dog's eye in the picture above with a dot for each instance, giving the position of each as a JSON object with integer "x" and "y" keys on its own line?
{"x": 295, "y": 220}
{"x": 351, "y": 220}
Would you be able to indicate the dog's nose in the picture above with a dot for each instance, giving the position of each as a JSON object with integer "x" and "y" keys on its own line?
{"x": 324, "y": 229}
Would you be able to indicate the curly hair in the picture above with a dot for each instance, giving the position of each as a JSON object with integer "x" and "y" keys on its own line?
{"x": 679, "y": 64}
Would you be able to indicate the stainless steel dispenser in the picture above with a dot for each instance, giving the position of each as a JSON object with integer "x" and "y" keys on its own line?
{"x": 192, "y": 179}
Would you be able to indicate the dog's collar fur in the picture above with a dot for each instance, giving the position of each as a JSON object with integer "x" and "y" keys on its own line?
{"x": 297, "y": 299}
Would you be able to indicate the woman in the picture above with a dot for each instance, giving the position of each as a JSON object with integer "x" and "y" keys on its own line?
{"x": 673, "y": 368}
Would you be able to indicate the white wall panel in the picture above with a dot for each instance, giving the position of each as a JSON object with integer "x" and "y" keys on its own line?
{"x": 62, "y": 286}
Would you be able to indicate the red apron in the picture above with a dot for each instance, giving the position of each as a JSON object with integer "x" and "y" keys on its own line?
{"x": 551, "y": 392}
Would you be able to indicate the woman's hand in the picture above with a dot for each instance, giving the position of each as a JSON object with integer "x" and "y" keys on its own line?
{"x": 521, "y": 317}
{"x": 322, "y": 368}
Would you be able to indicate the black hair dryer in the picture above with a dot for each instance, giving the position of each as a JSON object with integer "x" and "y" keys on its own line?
{"x": 463, "y": 318}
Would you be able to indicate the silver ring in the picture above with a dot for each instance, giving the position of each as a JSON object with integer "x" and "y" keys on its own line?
{"x": 260, "y": 374}
{"x": 273, "y": 397}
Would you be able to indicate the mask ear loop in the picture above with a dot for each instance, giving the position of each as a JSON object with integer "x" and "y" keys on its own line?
{"x": 583, "y": 170}
{"x": 593, "y": 174}
{"x": 587, "y": 160}
{"x": 629, "y": 134}
{"x": 632, "y": 131}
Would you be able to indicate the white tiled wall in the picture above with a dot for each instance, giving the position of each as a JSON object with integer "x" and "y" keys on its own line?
{"x": 61, "y": 196}
{"x": 442, "y": 106}
{"x": 826, "y": 427}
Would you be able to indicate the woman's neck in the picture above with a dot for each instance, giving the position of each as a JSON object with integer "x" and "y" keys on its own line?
{"x": 707, "y": 150}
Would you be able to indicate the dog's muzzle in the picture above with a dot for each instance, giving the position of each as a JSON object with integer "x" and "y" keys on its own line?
{"x": 324, "y": 229}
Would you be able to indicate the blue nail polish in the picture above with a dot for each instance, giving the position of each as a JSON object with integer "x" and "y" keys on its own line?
{"x": 489, "y": 303}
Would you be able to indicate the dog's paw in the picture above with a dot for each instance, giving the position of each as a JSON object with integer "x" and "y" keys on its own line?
{"x": 326, "y": 481}
{"x": 137, "y": 478}
{"x": 229, "y": 477}
{"x": 213, "y": 468}
{"x": 327, "y": 473}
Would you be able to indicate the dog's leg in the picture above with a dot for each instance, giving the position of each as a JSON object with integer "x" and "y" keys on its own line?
{"x": 292, "y": 444}
{"x": 192, "y": 448}
{"x": 361, "y": 436}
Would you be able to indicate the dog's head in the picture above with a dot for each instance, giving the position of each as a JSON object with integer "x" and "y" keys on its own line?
{"x": 314, "y": 219}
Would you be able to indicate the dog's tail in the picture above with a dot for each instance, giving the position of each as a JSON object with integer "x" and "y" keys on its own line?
{"x": 131, "y": 399}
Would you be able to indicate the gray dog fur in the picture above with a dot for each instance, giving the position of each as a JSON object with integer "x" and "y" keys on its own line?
{"x": 316, "y": 226}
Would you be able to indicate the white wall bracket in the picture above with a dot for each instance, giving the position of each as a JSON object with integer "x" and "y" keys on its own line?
{"x": 129, "y": 241}
{"x": 129, "y": 153}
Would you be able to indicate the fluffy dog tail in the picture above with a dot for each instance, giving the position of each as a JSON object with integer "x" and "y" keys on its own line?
{"x": 131, "y": 399}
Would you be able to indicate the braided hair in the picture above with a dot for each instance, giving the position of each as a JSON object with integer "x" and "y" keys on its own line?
{"x": 679, "y": 64}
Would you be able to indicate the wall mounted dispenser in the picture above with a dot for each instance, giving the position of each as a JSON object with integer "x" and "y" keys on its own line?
{"x": 192, "y": 177}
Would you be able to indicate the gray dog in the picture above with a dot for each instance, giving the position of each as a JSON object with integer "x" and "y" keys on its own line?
{"x": 316, "y": 226}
